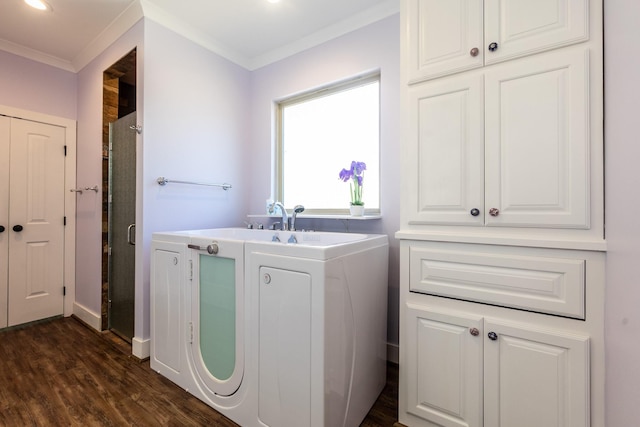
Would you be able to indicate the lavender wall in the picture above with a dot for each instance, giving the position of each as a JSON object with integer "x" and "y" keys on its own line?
{"x": 622, "y": 153}
{"x": 373, "y": 47}
{"x": 195, "y": 128}
{"x": 33, "y": 86}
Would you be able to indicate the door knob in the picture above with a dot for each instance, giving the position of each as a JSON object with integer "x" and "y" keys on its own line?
{"x": 17, "y": 228}
{"x": 212, "y": 249}
{"x": 1, "y": 228}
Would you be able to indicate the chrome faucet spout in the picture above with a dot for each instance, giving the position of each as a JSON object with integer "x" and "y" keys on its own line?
{"x": 296, "y": 211}
{"x": 285, "y": 217}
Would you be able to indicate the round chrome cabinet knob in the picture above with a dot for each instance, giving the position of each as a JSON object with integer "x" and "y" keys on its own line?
{"x": 492, "y": 336}
{"x": 474, "y": 52}
{"x": 474, "y": 331}
{"x": 494, "y": 211}
{"x": 474, "y": 212}
{"x": 212, "y": 249}
{"x": 493, "y": 46}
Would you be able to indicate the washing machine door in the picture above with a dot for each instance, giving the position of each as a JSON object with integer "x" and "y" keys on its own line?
{"x": 217, "y": 313}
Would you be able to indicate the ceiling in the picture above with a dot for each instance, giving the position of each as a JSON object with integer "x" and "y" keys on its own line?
{"x": 252, "y": 33}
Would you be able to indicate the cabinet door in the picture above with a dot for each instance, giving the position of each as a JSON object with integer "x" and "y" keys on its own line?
{"x": 447, "y": 150}
{"x": 444, "y": 361}
{"x": 537, "y": 141}
{"x": 524, "y": 27}
{"x": 441, "y": 36}
{"x": 167, "y": 315}
{"x": 4, "y": 216}
{"x": 535, "y": 378}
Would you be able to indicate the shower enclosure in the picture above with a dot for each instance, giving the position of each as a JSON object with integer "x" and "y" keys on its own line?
{"x": 122, "y": 214}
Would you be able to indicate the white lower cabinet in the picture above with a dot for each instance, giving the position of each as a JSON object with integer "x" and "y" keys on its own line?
{"x": 445, "y": 364}
{"x": 468, "y": 370}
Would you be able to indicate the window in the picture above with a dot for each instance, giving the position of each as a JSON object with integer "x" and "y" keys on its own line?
{"x": 322, "y": 132}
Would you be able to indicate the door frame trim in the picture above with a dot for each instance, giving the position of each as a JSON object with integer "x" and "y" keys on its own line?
{"x": 69, "y": 197}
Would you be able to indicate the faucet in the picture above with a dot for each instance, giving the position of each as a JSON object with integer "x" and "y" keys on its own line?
{"x": 296, "y": 211}
{"x": 285, "y": 217}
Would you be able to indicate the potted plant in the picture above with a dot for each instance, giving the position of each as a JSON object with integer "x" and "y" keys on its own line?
{"x": 355, "y": 175}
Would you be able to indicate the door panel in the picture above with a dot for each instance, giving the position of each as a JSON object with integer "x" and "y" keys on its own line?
{"x": 284, "y": 385}
{"x": 441, "y": 36}
{"x": 523, "y": 27}
{"x": 447, "y": 137}
{"x": 537, "y": 147}
{"x": 526, "y": 370}
{"x": 5, "y": 138}
{"x": 122, "y": 216}
{"x": 446, "y": 358}
{"x": 36, "y": 253}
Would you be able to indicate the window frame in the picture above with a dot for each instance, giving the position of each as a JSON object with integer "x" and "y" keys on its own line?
{"x": 325, "y": 90}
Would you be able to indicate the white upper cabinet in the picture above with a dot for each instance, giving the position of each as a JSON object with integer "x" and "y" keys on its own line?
{"x": 537, "y": 141}
{"x": 524, "y": 27}
{"x": 446, "y": 151}
{"x": 508, "y": 147}
{"x": 449, "y": 36}
{"x": 444, "y": 37}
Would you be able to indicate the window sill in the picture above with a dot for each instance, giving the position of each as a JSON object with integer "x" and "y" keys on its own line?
{"x": 366, "y": 217}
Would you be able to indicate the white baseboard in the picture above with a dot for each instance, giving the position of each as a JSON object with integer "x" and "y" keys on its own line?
{"x": 87, "y": 316}
{"x": 141, "y": 348}
{"x": 393, "y": 353}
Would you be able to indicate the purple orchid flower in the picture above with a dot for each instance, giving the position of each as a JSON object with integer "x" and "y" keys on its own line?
{"x": 355, "y": 174}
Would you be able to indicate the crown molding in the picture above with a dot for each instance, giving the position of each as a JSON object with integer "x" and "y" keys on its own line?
{"x": 36, "y": 55}
{"x": 362, "y": 19}
{"x": 106, "y": 38}
{"x": 160, "y": 16}
{"x": 144, "y": 9}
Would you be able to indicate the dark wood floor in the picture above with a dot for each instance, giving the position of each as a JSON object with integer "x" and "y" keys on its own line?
{"x": 61, "y": 373}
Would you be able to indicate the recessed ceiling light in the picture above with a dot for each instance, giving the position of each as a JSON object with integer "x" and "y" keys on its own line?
{"x": 273, "y": 1}
{"x": 38, "y": 4}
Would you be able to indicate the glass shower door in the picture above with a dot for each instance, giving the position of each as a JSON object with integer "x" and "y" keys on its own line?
{"x": 122, "y": 216}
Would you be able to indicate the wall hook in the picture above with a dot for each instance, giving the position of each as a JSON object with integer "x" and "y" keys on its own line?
{"x": 137, "y": 128}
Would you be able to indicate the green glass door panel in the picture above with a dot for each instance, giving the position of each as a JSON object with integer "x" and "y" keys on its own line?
{"x": 218, "y": 315}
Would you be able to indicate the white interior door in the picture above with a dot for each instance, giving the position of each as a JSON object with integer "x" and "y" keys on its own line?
{"x": 36, "y": 229}
{"x": 5, "y": 135}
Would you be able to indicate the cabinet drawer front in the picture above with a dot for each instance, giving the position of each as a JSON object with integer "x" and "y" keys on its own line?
{"x": 533, "y": 283}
